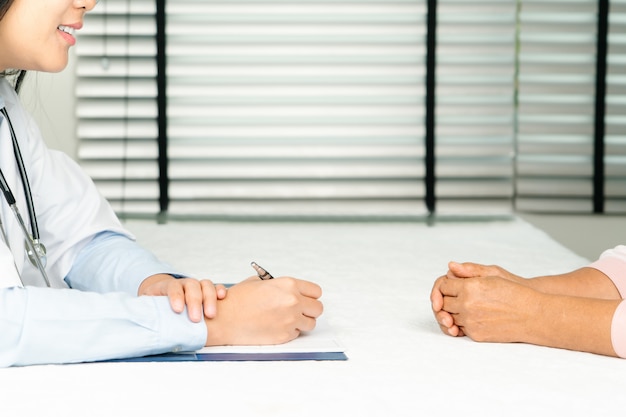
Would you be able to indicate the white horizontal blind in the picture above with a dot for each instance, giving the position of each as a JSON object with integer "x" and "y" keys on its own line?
{"x": 116, "y": 106}
{"x": 475, "y": 98}
{"x": 615, "y": 139}
{"x": 316, "y": 107}
{"x": 556, "y": 105}
{"x": 296, "y": 108}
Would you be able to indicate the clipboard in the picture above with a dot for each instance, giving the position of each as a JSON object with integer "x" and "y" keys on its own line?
{"x": 317, "y": 345}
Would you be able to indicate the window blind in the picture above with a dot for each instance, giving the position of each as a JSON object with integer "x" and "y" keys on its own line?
{"x": 316, "y": 107}
{"x": 555, "y": 118}
{"x": 475, "y": 106}
{"x": 116, "y": 108}
{"x": 307, "y": 108}
{"x": 615, "y": 139}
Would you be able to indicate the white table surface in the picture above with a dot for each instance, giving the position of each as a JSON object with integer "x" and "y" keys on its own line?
{"x": 376, "y": 280}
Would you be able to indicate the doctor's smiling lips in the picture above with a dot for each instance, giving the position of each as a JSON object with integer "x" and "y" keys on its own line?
{"x": 67, "y": 32}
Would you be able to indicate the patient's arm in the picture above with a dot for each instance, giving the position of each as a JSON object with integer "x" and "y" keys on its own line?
{"x": 494, "y": 309}
{"x": 572, "y": 310}
{"x": 584, "y": 282}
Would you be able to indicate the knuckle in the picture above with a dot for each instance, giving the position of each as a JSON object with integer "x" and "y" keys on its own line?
{"x": 288, "y": 282}
{"x": 496, "y": 270}
{"x": 291, "y": 300}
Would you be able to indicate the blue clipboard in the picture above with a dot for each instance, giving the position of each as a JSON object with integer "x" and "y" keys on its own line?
{"x": 238, "y": 357}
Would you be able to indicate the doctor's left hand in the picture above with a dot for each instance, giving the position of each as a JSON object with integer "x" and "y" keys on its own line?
{"x": 198, "y": 295}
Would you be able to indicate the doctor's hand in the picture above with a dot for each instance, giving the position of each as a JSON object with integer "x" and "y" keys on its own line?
{"x": 200, "y": 296}
{"x": 265, "y": 312}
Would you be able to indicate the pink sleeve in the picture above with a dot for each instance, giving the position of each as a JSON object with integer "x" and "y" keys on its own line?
{"x": 618, "y": 330}
{"x": 613, "y": 264}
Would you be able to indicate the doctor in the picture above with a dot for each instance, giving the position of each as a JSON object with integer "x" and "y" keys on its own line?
{"x": 74, "y": 286}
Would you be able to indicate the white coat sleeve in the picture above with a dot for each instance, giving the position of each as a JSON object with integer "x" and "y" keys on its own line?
{"x": 47, "y": 326}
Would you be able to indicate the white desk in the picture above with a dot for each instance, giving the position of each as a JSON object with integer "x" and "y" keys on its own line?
{"x": 376, "y": 280}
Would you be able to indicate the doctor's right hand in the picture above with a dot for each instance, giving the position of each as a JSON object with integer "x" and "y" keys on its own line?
{"x": 269, "y": 312}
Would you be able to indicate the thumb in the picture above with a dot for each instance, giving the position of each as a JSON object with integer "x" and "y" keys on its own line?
{"x": 467, "y": 269}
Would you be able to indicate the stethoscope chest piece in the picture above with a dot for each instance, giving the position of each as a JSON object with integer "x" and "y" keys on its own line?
{"x": 39, "y": 253}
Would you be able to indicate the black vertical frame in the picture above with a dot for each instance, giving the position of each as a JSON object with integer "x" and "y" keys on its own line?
{"x": 600, "y": 107}
{"x": 430, "y": 102}
{"x": 431, "y": 50}
{"x": 162, "y": 107}
{"x": 431, "y": 43}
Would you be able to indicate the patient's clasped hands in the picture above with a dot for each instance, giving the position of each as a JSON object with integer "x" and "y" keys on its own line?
{"x": 486, "y": 303}
{"x": 573, "y": 310}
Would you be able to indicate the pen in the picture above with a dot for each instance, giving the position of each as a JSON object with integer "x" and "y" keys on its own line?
{"x": 262, "y": 273}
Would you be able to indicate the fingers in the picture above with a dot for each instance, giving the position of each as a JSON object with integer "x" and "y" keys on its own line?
{"x": 307, "y": 288}
{"x": 445, "y": 304}
{"x": 436, "y": 298}
{"x": 209, "y": 299}
{"x": 450, "y": 287}
{"x": 176, "y": 295}
{"x": 471, "y": 270}
{"x": 451, "y": 304}
{"x": 200, "y": 297}
{"x": 221, "y": 291}
{"x": 464, "y": 270}
{"x": 447, "y": 324}
{"x": 306, "y": 324}
{"x": 444, "y": 319}
{"x": 197, "y": 292}
{"x": 307, "y": 294}
{"x": 440, "y": 308}
{"x": 311, "y": 307}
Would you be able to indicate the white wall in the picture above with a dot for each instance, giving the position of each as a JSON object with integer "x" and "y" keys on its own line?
{"x": 586, "y": 234}
{"x": 50, "y": 99}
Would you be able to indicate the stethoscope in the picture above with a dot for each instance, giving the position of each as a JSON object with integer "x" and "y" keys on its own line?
{"x": 35, "y": 250}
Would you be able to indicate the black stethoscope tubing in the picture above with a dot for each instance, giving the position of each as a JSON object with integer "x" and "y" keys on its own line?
{"x": 25, "y": 183}
{"x": 35, "y": 250}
